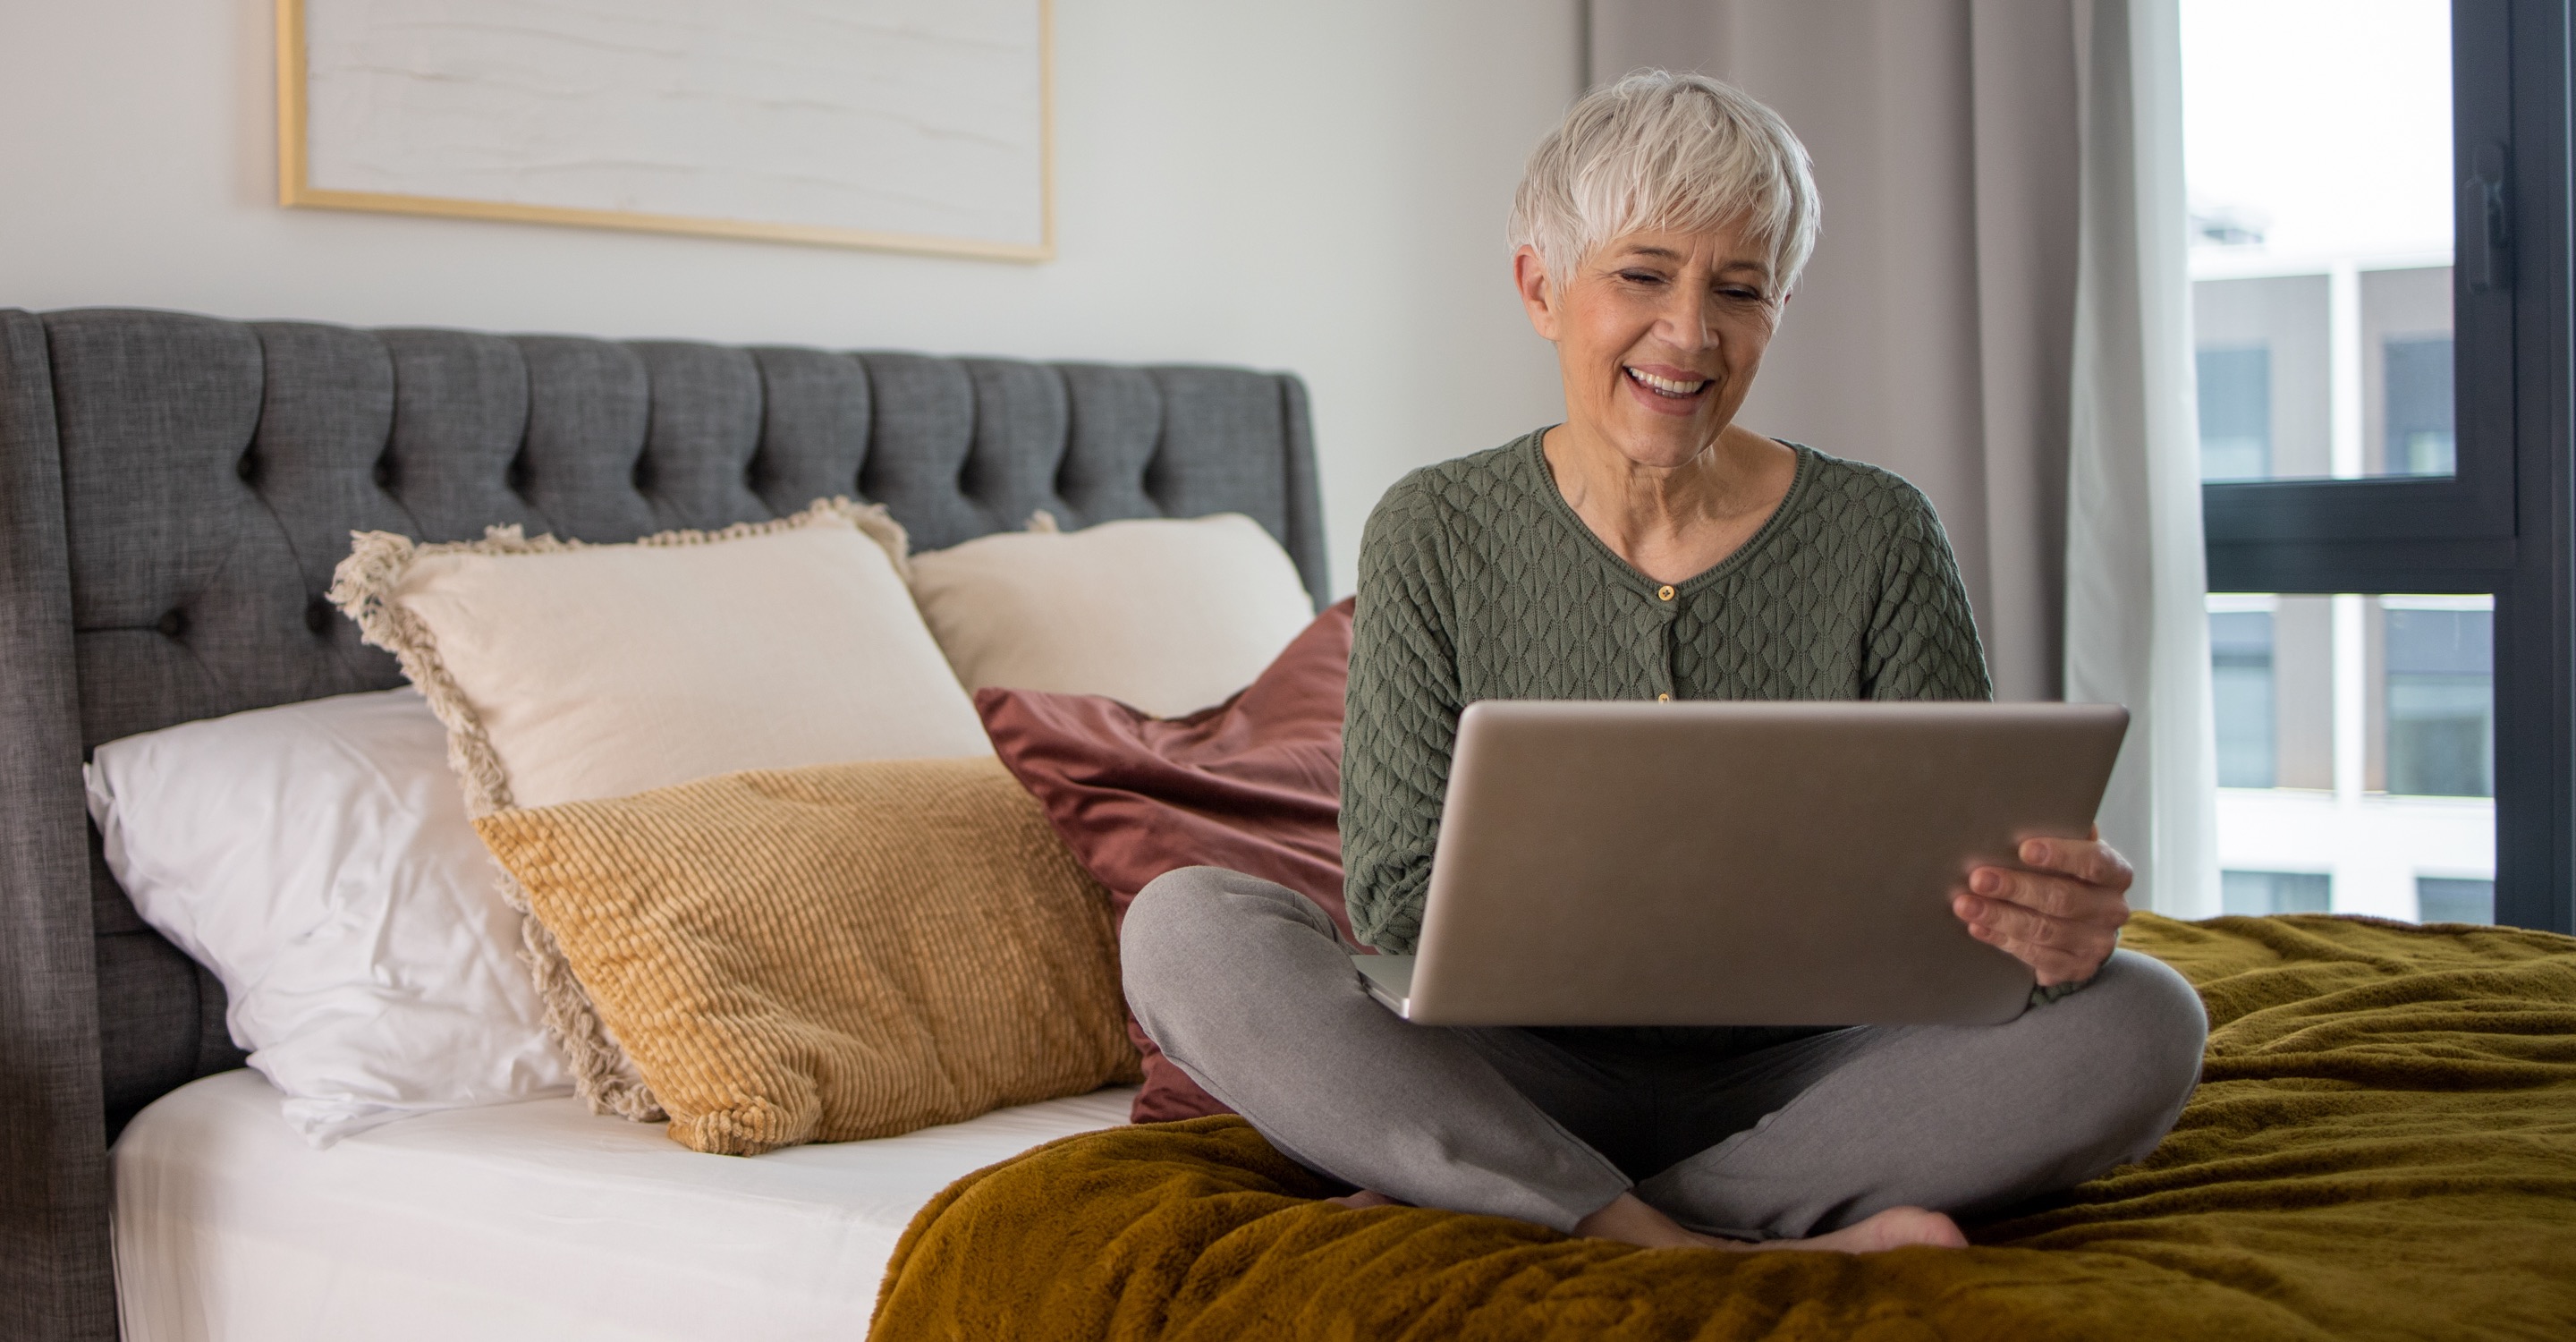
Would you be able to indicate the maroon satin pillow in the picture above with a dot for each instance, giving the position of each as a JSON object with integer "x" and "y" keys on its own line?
{"x": 1253, "y": 784}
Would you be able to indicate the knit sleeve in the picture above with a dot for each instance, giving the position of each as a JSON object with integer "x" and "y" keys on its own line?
{"x": 1402, "y": 719}
{"x": 1922, "y": 635}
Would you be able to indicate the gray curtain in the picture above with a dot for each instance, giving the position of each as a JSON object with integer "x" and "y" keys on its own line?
{"x": 1932, "y": 332}
{"x": 1996, "y": 311}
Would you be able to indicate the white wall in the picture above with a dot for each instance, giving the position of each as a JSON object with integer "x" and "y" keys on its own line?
{"x": 1318, "y": 186}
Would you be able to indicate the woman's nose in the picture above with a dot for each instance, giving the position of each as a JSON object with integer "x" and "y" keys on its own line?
{"x": 1687, "y": 320}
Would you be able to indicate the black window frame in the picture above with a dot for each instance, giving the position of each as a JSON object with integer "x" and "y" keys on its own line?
{"x": 2505, "y": 524}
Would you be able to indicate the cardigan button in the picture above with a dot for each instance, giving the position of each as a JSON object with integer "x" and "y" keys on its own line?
{"x": 1663, "y": 698}
{"x": 1664, "y": 593}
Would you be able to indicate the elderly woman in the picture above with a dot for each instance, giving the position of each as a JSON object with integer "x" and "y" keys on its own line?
{"x": 1650, "y": 547}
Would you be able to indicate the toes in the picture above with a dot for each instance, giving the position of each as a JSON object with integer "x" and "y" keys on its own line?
{"x": 1901, "y": 1226}
{"x": 1941, "y": 1232}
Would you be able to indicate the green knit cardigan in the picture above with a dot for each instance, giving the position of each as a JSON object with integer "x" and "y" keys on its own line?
{"x": 1478, "y": 581}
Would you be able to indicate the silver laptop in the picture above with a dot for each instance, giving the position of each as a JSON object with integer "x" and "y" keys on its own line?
{"x": 1736, "y": 863}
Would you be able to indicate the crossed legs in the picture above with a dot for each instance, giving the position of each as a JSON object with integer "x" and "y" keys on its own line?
{"x": 1748, "y": 1134}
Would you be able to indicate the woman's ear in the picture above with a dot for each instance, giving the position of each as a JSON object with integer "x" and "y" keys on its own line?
{"x": 1529, "y": 275}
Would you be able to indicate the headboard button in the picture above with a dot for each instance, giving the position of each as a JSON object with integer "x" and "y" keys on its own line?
{"x": 172, "y": 624}
{"x": 384, "y": 472}
{"x": 317, "y": 615}
{"x": 246, "y": 466}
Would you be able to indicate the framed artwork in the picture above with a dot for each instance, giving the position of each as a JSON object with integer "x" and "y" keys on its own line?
{"x": 912, "y": 125}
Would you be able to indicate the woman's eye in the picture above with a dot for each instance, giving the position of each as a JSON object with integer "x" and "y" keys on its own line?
{"x": 1641, "y": 277}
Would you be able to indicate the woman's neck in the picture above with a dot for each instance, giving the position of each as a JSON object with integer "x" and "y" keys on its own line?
{"x": 1675, "y": 522}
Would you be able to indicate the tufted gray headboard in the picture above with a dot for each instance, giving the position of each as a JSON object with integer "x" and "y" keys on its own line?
{"x": 174, "y": 491}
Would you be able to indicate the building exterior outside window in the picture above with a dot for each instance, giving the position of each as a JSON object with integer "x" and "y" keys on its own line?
{"x": 2356, "y": 754}
{"x": 2444, "y": 899}
{"x": 2242, "y": 690}
{"x": 2420, "y": 440}
{"x": 2256, "y": 893}
{"x": 2439, "y": 700}
{"x": 2235, "y": 411}
{"x": 2322, "y": 367}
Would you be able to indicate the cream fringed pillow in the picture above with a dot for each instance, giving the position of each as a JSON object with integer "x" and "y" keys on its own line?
{"x": 568, "y": 672}
{"x": 1170, "y": 615}
{"x": 831, "y": 953}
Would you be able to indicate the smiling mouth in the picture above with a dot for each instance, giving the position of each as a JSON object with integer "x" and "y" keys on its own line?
{"x": 1664, "y": 386}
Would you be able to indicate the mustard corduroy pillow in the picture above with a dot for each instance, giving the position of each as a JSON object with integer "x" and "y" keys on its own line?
{"x": 830, "y": 953}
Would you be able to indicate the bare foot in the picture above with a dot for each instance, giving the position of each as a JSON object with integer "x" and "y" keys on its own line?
{"x": 1370, "y": 1197}
{"x": 1630, "y": 1221}
{"x": 1894, "y": 1228}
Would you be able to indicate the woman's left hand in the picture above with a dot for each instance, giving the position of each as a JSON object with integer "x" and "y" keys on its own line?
{"x": 2061, "y": 915}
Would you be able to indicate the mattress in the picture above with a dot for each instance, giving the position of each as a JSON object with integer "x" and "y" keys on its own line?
{"x": 529, "y": 1220}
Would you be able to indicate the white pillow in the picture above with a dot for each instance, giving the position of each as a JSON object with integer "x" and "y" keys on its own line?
{"x": 317, "y": 859}
{"x": 1170, "y": 616}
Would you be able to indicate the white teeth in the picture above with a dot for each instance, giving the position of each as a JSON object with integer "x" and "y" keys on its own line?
{"x": 1663, "y": 385}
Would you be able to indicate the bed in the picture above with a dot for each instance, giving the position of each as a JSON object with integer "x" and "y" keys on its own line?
{"x": 2386, "y": 1146}
{"x": 177, "y": 490}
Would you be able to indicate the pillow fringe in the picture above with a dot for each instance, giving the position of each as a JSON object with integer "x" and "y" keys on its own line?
{"x": 604, "y": 1075}
{"x": 362, "y": 586}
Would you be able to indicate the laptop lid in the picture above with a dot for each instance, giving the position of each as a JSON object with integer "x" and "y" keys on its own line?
{"x": 1729, "y": 863}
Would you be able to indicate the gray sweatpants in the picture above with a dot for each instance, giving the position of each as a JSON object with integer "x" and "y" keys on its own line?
{"x": 1750, "y": 1132}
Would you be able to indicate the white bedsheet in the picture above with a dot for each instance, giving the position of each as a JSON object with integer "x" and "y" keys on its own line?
{"x": 533, "y": 1220}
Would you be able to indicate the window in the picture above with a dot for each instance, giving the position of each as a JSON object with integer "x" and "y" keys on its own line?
{"x": 2439, "y": 697}
{"x": 2261, "y": 892}
{"x": 2417, "y": 409}
{"x": 2235, "y": 411}
{"x": 2262, "y": 355}
{"x": 2242, "y": 690}
{"x": 2446, "y": 899}
{"x": 2380, "y": 298}
{"x": 2405, "y": 372}
{"x": 2355, "y": 751}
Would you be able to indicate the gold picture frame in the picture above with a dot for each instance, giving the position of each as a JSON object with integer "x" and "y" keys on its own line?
{"x": 296, "y": 190}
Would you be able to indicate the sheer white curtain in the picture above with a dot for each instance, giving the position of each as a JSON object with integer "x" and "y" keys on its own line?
{"x": 2137, "y": 631}
{"x": 1997, "y": 311}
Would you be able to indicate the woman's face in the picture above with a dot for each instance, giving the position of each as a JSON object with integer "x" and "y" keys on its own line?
{"x": 1657, "y": 336}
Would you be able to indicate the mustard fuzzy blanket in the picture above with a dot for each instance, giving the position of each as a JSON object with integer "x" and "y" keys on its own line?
{"x": 2383, "y": 1146}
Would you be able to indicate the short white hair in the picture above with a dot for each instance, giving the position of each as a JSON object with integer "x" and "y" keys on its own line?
{"x": 1667, "y": 152}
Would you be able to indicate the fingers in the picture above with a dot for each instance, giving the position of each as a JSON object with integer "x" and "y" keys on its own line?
{"x": 2088, "y": 860}
{"x": 2062, "y": 917}
{"x": 2022, "y": 924}
{"x": 2051, "y": 895}
{"x": 2058, "y": 950}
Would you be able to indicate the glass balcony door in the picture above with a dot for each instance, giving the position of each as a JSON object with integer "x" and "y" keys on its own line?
{"x": 2381, "y": 304}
